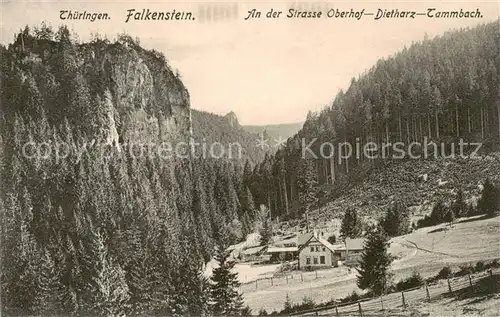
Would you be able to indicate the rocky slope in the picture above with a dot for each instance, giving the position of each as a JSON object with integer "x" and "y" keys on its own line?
{"x": 419, "y": 183}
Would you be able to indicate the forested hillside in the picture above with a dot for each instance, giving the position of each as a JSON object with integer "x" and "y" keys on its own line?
{"x": 210, "y": 128}
{"x": 442, "y": 89}
{"x": 91, "y": 226}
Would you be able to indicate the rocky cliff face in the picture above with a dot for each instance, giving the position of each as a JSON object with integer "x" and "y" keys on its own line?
{"x": 118, "y": 92}
{"x": 151, "y": 101}
{"x": 232, "y": 119}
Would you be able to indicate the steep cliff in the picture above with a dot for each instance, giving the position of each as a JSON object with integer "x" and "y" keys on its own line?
{"x": 116, "y": 92}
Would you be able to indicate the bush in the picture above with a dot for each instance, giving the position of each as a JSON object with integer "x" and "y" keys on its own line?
{"x": 262, "y": 312}
{"x": 415, "y": 280}
{"x": 489, "y": 202}
{"x": 350, "y": 298}
{"x": 307, "y": 303}
{"x": 479, "y": 266}
{"x": 246, "y": 311}
{"x": 444, "y": 273}
{"x": 287, "y": 307}
{"x": 471, "y": 210}
{"x": 494, "y": 263}
{"x": 397, "y": 220}
{"x": 464, "y": 270}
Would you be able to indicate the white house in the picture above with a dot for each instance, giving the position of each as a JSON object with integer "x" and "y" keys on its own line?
{"x": 317, "y": 252}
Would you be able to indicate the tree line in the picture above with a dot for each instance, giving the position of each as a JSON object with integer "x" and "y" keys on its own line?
{"x": 441, "y": 89}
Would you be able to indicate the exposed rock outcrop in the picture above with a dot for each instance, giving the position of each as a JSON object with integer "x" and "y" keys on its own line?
{"x": 116, "y": 92}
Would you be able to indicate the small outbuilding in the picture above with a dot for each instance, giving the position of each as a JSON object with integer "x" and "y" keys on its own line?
{"x": 351, "y": 251}
{"x": 253, "y": 254}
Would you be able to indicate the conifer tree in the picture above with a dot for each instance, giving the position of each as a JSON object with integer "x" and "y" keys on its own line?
{"x": 225, "y": 297}
{"x": 22, "y": 290}
{"x": 449, "y": 216}
{"x": 266, "y": 231}
{"x": 48, "y": 290}
{"x": 235, "y": 231}
{"x": 139, "y": 277}
{"x": 471, "y": 210}
{"x": 351, "y": 224}
{"x": 105, "y": 288}
{"x": 375, "y": 262}
{"x": 247, "y": 174}
{"x": 438, "y": 212}
{"x": 306, "y": 180}
{"x": 489, "y": 202}
{"x": 397, "y": 220}
{"x": 190, "y": 294}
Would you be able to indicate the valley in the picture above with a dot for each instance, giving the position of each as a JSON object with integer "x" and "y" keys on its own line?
{"x": 139, "y": 235}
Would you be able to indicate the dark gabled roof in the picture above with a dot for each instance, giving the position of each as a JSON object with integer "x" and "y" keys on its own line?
{"x": 304, "y": 238}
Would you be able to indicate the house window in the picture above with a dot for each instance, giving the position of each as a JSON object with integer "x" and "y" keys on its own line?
{"x": 322, "y": 259}
{"x": 315, "y": 260}
{"x": 312, "y": 249}
{"x": 317, "y": 249}
{"x": 324, "y": 249}
{"x": 308, "y": 260}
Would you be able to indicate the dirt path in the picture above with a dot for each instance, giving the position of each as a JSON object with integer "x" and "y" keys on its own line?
{"x": 430, "y": 251}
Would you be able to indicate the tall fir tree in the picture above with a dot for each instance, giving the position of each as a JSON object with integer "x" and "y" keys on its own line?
{"x": 225, "y": 297}
{"x": 306, "y": 180}
{"x": 397, "y": 220}
{"x": 373, "y": 271}
{"x": 351, "y": 225}
{"x": 266, "y": 230}
{"x": 190, "y": 293}
{"x": 105, "y": 289}
{"x": 48, "y": 293}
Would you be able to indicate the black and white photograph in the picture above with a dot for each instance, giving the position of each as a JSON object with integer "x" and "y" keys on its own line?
{"x": 250, "y": 158}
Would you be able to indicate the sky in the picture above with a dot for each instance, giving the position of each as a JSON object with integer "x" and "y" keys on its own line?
{"x": 267, "y": 70}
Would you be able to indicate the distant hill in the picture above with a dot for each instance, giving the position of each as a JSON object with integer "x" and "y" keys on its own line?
{"x": 209, "y": 128}
{"x": 275, "y": 131}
